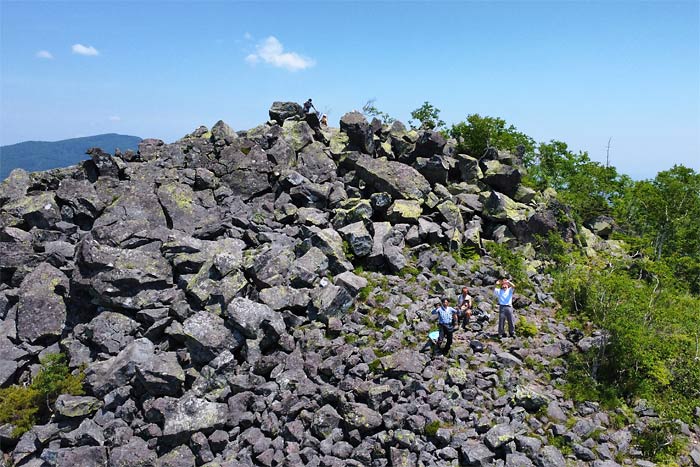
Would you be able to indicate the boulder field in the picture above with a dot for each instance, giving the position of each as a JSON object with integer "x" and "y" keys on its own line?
{"x": 263, "y": 298}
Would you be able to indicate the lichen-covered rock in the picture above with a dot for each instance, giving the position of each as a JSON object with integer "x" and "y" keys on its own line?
{"x": 360, "y": 417}
{"x": 131, "y": 279}
{"x": 280, "y": 111}
{"x": 315, "y": 165}
{"x": 189, "y": 414}
{"x": 530, "y": 399}
{"x": 39, "y": 210}
{"x": 359, "y": 132}
{"x": 188, "y": 210}
{"x": 247, "y": 316}
{"x": 41, "y": 311}
{"x": 329, "y": 301}
{"x": 399, "y": 180}
{"x": 76, "y": 406}
{"x": 111, "y": 332}
{"x": 499, "y": 435}
{"x": 503, "y": 178}
{"x": 15, "y": 186}
{"x": 207, "y": 336}
{"x": 326, "y": 419}
{"x": 358, "y": 237}
{"x": 404, "y": 210}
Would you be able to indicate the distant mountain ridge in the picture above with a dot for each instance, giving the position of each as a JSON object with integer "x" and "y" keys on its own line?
{"x": 43, "y": 155}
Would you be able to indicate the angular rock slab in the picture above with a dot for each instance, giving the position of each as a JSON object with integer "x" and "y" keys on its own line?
{"x": 190, "y": 414}
{"x": 41, "y": 311}
{"x": 399, "y": 180}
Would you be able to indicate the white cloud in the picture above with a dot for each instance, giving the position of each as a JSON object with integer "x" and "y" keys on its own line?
{"x": 114, "y": 118}
{"x": 44, "y": 54}
{"x": 272, "y": 52}
{"x": 81, "y": 49}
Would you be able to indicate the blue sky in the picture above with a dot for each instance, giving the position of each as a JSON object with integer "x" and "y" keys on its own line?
{"x": 580, "y": 72}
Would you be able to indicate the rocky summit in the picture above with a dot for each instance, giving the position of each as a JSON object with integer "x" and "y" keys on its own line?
{"x": 263, "y": 298}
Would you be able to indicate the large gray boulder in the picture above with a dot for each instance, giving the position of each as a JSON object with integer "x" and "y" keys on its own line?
{"x": 429, "y": 143}
{"x": 399, "y": 180}
{"x": 88, "y": 456}
{"x": 330, "y": 243}
{"x": 135, "y": 210}
{"x": 131, "y": 279}
{"x": 135, "y": 453}
{"x": 358, "y": 238}
{"x": 41, "y": 310}
{"x": 207, "y": 336}
{"x": 280, "y": 111}
{"x": 189, "y": 414}
{"x": 188, "y": 210}
{"x": 329, "y": 301}
{"x": 159, "y": 373}
{"x": 14, "y": 186}
{"x": 111, "y": 332}
{"x": 243, "y": 169}
{"x": 247, "y": 316}
{"x": 39, "y": 210}
{"x": 82, "y": 199}
{"x": 315, "y": 165}
{"x": 359, "y": 131}
{"x": 435, "y": 169}
{"x": 503, "y": 178}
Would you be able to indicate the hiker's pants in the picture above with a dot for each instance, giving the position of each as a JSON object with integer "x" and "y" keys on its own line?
{"x": 446, "y": 331}
{"x": 505, "y": 312}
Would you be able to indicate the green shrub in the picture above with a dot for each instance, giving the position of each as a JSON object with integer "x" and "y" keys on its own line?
{"x": 432, "y": 428}
{"x": 661, "y": 441}
{"x": 375, "y": 365}
{"x": 25, "y": 406}
{"x": 526, "y": 328}
{"x": 511, "y": 261}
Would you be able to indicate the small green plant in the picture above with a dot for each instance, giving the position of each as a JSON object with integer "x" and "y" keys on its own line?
{"x": 25, "y": 406}
{"x": 374, "y": 365}
{"x": 364, "y": 292}
{"x": 526, "y": 328}
{"x": 431, "y": 428}
{"x": 350, "y": 338}
{"x": 409, "y": 271}
{"x": 661, "y": 441}
{"x": 511, "y": 261}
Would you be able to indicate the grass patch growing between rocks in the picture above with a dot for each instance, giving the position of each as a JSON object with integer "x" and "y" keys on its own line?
{"x": 526, "y": 328}
{"x": 431, "y": 428}
{"x": 25, "y": 406}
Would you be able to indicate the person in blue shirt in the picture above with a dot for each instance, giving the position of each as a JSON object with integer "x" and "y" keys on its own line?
{"x": 504, "y": 293}
{"x": 447, "y": 318}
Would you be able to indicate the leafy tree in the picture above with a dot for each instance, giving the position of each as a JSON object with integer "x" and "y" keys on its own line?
{"x": 426, "y": 116}
{"x": 478, "y": 133}
{"x": 661, "y": 219}
{"x": 371, "y": 110}
{"x": 589, "y": 187}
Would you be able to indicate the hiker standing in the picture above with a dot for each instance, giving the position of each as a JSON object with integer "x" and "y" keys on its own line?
{"x": 307, "y": 107}
{"x": 447, "y": 317}
{"x": 504, "y": 293}
{"x": 324, "y": 120}
{"x": 464, "y": 305}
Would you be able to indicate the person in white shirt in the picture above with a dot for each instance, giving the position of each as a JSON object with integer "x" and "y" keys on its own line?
{"x": 504, "y": 292}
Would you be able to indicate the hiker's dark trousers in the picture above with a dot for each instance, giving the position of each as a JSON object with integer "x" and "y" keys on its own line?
{"x": 505, "y": 312}
{"x": 446, "y": 331}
